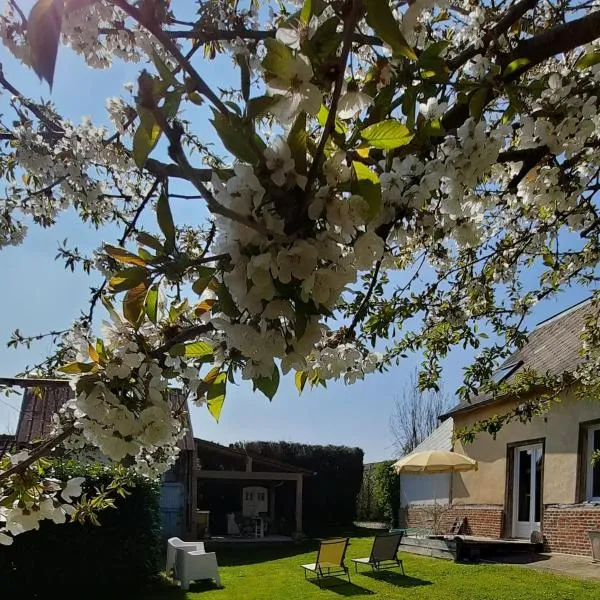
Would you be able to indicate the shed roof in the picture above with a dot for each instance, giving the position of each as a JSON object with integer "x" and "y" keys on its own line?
{"x": 552, "y": 348}
{"x": 219, "y": 448}
{"x": 8, "y": 443}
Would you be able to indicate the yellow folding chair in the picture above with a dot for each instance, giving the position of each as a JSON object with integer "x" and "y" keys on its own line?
{"x": 330, "y": 560}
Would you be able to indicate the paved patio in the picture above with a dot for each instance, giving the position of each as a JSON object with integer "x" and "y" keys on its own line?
{"x": 581, "y": 567}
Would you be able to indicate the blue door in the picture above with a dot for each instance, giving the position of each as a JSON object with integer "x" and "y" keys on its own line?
{"x": 172, "y": 505}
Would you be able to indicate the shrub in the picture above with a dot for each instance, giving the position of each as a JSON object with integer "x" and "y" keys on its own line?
{"x": 330, "y": 495}
{"x": 387, "y": 492}
{"x": 77, "y": 560}
{"x": 367, "y": 507}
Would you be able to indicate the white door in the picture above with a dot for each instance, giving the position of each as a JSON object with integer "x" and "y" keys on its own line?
{"x": 527, "y": 490}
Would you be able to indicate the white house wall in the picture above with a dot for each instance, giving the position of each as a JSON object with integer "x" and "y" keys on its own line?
{"x": 424, "y": 489}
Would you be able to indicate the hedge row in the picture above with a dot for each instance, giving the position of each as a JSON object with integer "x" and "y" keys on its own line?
{"x": 330, "y": 494}
{"x": 75, "y": 560}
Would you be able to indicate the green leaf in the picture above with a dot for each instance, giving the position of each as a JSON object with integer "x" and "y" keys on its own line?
{"x": 300, "y": 380}
{"x": 268, "y": 385}
{"x": 324, "y": 42}
{"x": 225, "y": 303}
{"x": 238, "y": 137}
{"x": 133, "y": 304}
{"x": 306, "y": 12}
{"x": 165, "y": 220}
{"x": 192, "y": 350}
{"x": 548, "y": 257}
{"x": 245, "y": 76}
{"x": 368, "y": 186}
{"x": 146, "y": 137}
{"x": 177, "y": 309}
{"x": 409, "y": 106}
{"x": 124, "y": 256}
{"x": 387, "y": 135}
{"x": 43, "y": 36}
{"x": 477, "y": 101}
{"x": 279, "y": 60}
{"x": 171, "y": 103}
{"x": 127, "y": 279}
{"x": 257, "y": 107}
{"x": 205, "y": 275}
{"x": 514, "y": 66}
{"x": 76, "y": 367}
{"x": 434, "y": 50}
{"x": 434, "y": 128}
{"x": 297, "y": 139}
{"x": 164, "y": 71}
{"x": 147, "y": 256}
{"x": 588, "y": 60}
{"x": 381, "y": 19}
{"x": 340, "y": 126}
{"x": 151, "y": 304}
{"x": 216, "y": 395}
{"x": 149, "y": 240}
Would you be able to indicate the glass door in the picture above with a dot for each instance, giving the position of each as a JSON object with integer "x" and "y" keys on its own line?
{"x": 527, "y": 490}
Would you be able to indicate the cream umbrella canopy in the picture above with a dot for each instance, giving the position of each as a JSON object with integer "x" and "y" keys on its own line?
{"x": 435, "y": 461}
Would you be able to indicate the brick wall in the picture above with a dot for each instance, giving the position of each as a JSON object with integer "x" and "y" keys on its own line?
{"x": 486, "y": 521}
{"x": 565, "y": 528}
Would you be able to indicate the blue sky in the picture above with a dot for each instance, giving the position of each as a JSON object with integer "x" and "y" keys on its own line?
{"x": 39, "y": 294}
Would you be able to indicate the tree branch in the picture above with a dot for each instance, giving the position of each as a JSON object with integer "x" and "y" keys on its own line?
{"x": 187, "y": 334}
{"x": 43, "y": 450}
{"x": 178, "y": 155}
{"x": 512, "y": 15}
{"x": 362, "y": 309}
{"x": 349, "y": 24}
{"x": 557, "y": 40}
{"x": 164, "y": 170}
{"x": 140, "y": 209}
{"x": 201, "y": 86}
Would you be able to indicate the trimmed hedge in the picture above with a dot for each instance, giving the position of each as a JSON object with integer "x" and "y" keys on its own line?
{"x": 75, "y": 560}
{"x": 330, "y": 495}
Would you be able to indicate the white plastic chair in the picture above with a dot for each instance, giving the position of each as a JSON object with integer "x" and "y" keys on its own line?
{"x": 172, "y": 545}
{"x": 194, "y": 565}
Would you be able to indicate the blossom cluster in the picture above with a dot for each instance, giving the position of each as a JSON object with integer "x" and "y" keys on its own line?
{"x": 51, "y": 499}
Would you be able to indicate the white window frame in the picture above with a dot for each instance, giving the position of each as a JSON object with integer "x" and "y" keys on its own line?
{"x": 590, "y": 468}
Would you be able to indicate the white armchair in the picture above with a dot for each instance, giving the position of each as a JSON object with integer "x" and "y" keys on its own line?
{"x": 194, "y": 565}
{"x": 172, "y": 545}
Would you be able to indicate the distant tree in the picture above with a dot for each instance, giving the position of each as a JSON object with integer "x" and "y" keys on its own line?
{"x": 415, "y": 414}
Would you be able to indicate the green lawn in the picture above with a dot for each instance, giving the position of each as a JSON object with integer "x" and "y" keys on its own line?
{"x": 274, "y": 573}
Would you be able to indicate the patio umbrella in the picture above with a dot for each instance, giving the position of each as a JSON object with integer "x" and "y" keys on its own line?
{"x": 434, "y": 461}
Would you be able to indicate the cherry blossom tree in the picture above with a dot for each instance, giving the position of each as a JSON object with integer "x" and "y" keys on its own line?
{"x": 449, "y": 145}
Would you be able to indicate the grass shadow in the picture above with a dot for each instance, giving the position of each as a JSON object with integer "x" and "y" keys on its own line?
{"x": 351, "y": 531}
{"x": 397, "y": 579}
{"x": 168, "y": 590}
{"x": 341, "y": 587}
{"x": 246, "y": 554}
{"x": 518, "y": 558}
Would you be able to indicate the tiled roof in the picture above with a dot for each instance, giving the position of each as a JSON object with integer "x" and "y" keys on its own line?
{"x": 38, "y": 406}
{"x": 42, "y": 399}
{"x": 440, "y": 439}
{"x": 552, "y": 348}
